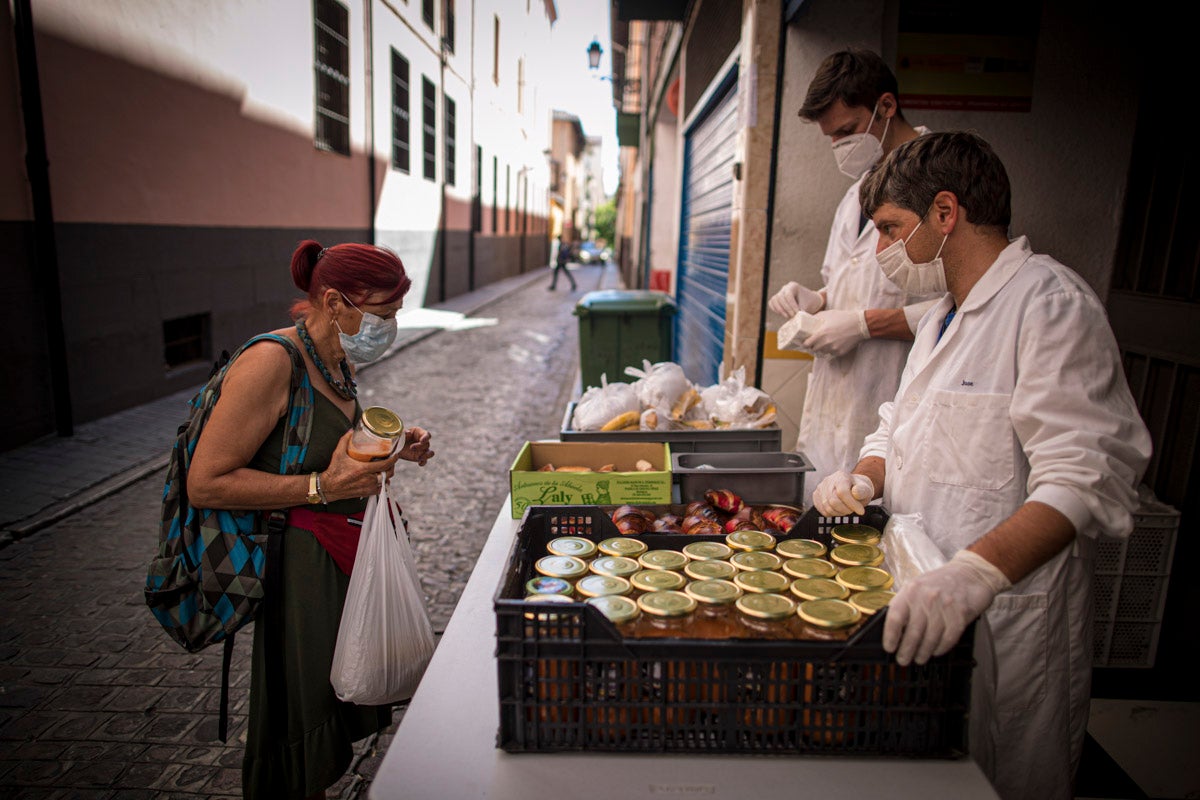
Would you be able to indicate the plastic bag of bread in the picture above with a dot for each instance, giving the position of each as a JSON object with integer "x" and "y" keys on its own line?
{"x": 607, "y": 407}
{"x": 663, "y": 386}
{"x": 733, "y": 404}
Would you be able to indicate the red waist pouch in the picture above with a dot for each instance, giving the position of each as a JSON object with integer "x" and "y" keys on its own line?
{"x": 337, "y": 533}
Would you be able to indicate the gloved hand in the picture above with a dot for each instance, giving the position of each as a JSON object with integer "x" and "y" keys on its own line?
{"x": 841, "y": 331}
{"x": 929, "y": 613}
{"x": 843, "y": 493}
{"x": 794, "y": 298}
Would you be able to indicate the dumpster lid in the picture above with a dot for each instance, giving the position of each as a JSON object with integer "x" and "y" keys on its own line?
{"x": 624, "y": 300}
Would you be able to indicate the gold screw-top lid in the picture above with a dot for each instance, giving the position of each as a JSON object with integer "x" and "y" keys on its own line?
{"x": 828, "y": 613}
{"x": 600, "y": 585}
{"x": 766, "y": 606}
{"x": 663, "y": 559}
{"x": 750, "y": 540}
{"x": 864, "y": 579}
{"x": 856, "y": 555}
{"x": 382, "y": 422}
{"x": 617, "y": 608}
{"x": 707, "y": 551}
{"x": 710, "y": 570}
{"x": 809, "y": 568}
{"x": 560, "y": 566}
{"x": 855, "y": 533}
{"x": 871, "y": 601}
{"x": 755, "y": 560}
{"x": 572, "y": 546}
{"x": 547, "y": 585}
{"x": 657, "y": 580}
{"x": 819, "y": 589}
{"x": 666, "y": 604}
{"x": 800, "y": 548}
{"x": 713, "y": 592}
{"x": 548, "y": 598}
{"x": 617, "y": 566}
{"x": 761, "y": 581}
{"x": 622, "y": 546}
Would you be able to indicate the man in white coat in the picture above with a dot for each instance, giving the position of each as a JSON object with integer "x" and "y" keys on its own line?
{"x": 1013, "y": 434}
{"x": 866, "y": 323}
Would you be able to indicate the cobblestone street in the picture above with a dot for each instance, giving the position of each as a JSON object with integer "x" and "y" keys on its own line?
{"x": 96, "y": 701}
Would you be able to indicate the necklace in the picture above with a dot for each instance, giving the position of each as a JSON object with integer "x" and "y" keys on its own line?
{"x": 347, "y": 389}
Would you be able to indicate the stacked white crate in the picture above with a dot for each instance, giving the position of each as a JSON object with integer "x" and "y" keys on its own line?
{"x": 1130, "y": 587}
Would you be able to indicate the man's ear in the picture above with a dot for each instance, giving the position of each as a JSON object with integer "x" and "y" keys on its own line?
{"x": 947, "y": 213}
{"x": 888, "y": 105}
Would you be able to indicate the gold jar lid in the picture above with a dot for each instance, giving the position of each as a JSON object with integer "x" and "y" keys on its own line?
{"x": 863, "y": 579}
{"x": 710, "y": 570}
{"x": 707, "y": 551}
{"x": 869, "y": 602}
{"x": 809, "y": 568}
{"x": 618, "y": 566}
{"x": 572, "y": 546}
{"x": 766, "y": 606}
{"x": 762, "y": 581}
{"x": 755, "y": 560}
{"x": 657, "y": 580}
{"x": 622, "y": 546}
{"x": 546, "y": 598}
{"x": 819, "y": 589}
{"x": 713, "y": 592}
{"x": 856, "y": 555}
{"x": 600, "y": 585}
{"x": 547, "y": 585}
{"x": 800, "y": 548}
{"x": 382, "y": 422}
{"x": 617, "y": 608}
{"x": 663, "y": 559}
{"x": 666, "y": 604}
{"x": 855, "y": 533}
{"x": 750, "y": 540}
{"x": 829, "y": 613}
{"x": 560, "y": 566}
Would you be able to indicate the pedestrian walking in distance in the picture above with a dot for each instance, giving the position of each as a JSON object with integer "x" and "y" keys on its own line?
{"x": 560, "y": 264}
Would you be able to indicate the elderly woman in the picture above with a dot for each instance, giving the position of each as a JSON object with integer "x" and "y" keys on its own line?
{"x": 300, "y": 734}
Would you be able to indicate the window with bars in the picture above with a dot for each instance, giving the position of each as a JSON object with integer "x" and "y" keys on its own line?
{"x": 401, "y": 135}
{"x": 496, "y": 49}
{"x": 520, "y": 85}
{"x": 331, "y": 69}
{"x": 495, "y": 194}
{"x": 429, "y": 127}
{"x": 450, "y": 132}
{"x": 427, "y": 12}
{"x": 448, "y": 26}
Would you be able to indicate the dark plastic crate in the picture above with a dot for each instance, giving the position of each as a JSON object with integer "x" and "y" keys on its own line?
{"x": 569, "y": 681}
{"x": 728, "y": 440}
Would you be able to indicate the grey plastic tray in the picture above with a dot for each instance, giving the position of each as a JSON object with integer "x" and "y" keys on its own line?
{"x": 767, "y": 439}
{"x": 755, "y": 477}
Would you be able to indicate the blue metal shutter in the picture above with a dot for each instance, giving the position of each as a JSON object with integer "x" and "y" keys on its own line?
{"x": 704, "y": 235}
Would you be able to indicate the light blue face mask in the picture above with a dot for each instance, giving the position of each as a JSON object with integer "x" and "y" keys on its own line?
{"x": 375, "y": 335}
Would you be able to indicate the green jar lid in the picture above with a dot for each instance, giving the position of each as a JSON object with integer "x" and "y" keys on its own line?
{"x": 710, "y": 570}
{"x": 863, "y": 579}
{"x": 546, "y": 585}
{"x": 856, "y": 555}
{"x": 623, "y": 546}
{"x": 871, "y": 601}
{"x": 572, "y": 546}
{"x": 855, "y": 533}
{"x": 657, "y": 580}
{"x": 713, "y": 592}
{"x": 617, "y": 608}
{"x": 618, "y": 566}
{"x": 560, "y": 566}
{"x": 750, "y": 540}
{"x": 828, "y": 613}
{"x": 809, "y": 568}
{"x": 663, "y": 559}
{"x": 819, "y": 589}
{"x": 800, "y": 548}
{"x": 600, "y": 585}
{"x": 762, "y": 581}
{"x": 707, "y": 551}
{"x": 766, "y": 606}
{"x": 755, "y": 560}
{"x": 666, "y": 604}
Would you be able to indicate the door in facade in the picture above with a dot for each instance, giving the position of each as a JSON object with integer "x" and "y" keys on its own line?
{"x": 710, "y": 149}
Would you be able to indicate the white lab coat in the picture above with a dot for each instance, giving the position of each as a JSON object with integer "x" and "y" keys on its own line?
{"x": 841, "y": 404}
{"x": 1024, "y": 398}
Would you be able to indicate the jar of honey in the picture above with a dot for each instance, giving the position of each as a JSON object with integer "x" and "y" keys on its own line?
{"x": 376, "y": 434}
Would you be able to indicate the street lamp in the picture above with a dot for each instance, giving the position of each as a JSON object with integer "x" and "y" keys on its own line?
{"x": 594, "y": 52}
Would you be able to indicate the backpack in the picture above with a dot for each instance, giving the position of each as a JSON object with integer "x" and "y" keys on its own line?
{"x": 214, "y": 568}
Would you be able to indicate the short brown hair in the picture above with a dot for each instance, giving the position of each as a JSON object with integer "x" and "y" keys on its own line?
{"x": 856, "y": 77}
{"x": 955, "y": 161}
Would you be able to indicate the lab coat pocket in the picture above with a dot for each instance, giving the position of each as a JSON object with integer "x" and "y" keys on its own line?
{"x": 1020, "y": 632}
{"x": 970, "y": 440}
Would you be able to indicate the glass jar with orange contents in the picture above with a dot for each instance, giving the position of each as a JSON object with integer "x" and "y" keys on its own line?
{"x": 376, "y": 434}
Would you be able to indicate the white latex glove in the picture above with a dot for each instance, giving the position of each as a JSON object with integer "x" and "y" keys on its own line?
{"x": 930, "y": 612}
{"x": 841, "y": 331}
{"x": 794, "y": 298}
{"x": 843, "y": 493}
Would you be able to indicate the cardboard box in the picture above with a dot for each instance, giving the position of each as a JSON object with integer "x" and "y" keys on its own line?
{"x": 623, "y": 485}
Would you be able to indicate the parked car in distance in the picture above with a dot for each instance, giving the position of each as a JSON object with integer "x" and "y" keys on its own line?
{"x": 592, "y": 253}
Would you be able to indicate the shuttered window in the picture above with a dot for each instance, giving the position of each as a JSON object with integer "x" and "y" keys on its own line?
{"x": 331, "y": 71}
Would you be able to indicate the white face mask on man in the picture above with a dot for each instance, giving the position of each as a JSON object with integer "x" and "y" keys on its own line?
{"x": 858, "y": 152}
{"x": 928, "y": 277}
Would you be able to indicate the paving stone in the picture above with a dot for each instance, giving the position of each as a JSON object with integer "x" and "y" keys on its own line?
{"x": 39, "y": 750}
{"x": 28, "y": 726}
{"x": 148, "y": 776}
{"x": 134, "y": 698}
{"x": 168, "y": 727}
{"x": 39, "y": 656}
{"x": 225, "y": 780}
{"x": 80, "y": 698}
{"x": 18, "y": 696}
{"x": 38, "y": 772}
{"x": 93, "y": 773}
{"x": 122, "y": 726}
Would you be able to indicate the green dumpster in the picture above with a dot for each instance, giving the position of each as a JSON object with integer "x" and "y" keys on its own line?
{"x": 619, "y": 328}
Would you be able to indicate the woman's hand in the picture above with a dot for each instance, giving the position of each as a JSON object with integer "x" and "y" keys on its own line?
{"x": 346, "y": 477}
{"x": 416, "y": 446}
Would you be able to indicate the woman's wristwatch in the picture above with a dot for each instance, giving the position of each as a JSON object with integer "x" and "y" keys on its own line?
{"x": 315, "y": 494}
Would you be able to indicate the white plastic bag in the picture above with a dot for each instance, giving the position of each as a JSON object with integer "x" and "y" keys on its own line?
{"x": 661, "y": 385}
{"x": 733, "y": 404}
{"x": 602, "y": 404}
{"x": 384, "y": 640}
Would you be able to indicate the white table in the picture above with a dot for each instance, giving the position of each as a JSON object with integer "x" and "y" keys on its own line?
{"x": 445, "y": 748}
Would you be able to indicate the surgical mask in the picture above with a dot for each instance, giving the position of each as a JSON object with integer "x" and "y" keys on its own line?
{"x": 375, "y": 335}
{"x": 928, "y": 277}
{"x": 858, "y": 152}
